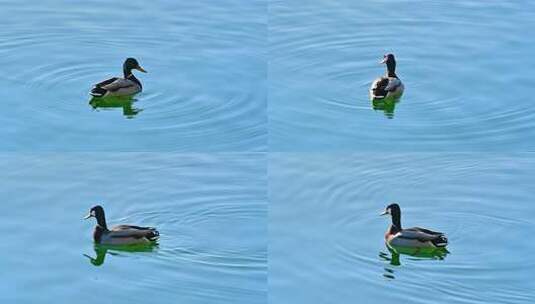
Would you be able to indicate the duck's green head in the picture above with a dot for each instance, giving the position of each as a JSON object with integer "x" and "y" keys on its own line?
{"x": 392, "y": 209}
{"x": 388, "y": 58}
{"x": 395, "y": 213}
{"x": 390, "y": 62}
{"x": 131, "y": 64}
{"x": 98, "y": 213}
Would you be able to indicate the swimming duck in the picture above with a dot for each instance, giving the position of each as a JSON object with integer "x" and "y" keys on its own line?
{"x": 388, "y": 86}
{"x": 116, "y": 86}
{"x": 121, "y": 234}
{"x": 415, "y": 237}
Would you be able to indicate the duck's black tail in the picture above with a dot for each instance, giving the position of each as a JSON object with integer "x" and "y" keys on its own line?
{"x": 98, "y": 92}
{"x": 153, "y": 235}
{"x": 440, "y": 241}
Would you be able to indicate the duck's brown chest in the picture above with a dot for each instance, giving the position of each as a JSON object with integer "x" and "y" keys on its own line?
{"x": 388, "y": 235}
{"x": 97, "y": 234}
{"x": 392, "y": 230}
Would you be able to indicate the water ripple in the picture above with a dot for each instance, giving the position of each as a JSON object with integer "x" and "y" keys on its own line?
{"x": 205, "y": 90}
{"x": 479, "y": 201}
{"x": 460, "y": 81}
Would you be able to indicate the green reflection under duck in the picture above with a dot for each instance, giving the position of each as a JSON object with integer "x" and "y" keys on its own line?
{"x": 387, "y": 105}
{"x": 102, "y": 250}
{"x": 420, "y": 253}
{"x": 120, "y": 234}
{"x": 126, "y": 103}
{"x": 413, "y": 253}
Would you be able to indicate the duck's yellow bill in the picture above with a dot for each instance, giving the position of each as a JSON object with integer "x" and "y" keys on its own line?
{"x": 141, "y": 69}
{"x": 88, "y": 216}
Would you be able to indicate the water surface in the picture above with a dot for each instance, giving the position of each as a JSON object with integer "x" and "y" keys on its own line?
{"x": 211, "y": 212}
{"x": 205, "y": 89}
{"x": 465, "y": 66}
{"x": 326, "y": 238}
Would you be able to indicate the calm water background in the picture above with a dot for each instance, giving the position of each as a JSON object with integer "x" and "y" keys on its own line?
{"x": 465, "y": 64}
{"x": 205, "y": 90}
{"x": 326, "y": 237}
{"x": 211, "y": 211}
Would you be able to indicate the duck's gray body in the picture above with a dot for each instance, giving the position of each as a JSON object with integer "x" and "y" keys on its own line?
{"x": 126, "y": 86}
{"x": 125, "y": 235}
{"x": 388, "y": 86}
{"x": 120, "y": 234}
{"x": 117, "y": 87}
{"x": 415, "y": 237}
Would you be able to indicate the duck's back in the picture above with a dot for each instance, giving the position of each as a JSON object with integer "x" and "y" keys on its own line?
{"x": 128, "y": 234}
{"x": 117, "y": 87}
{"x": 378, "y": 86}
{"x": 384, "y": 87}
{"x": 418, "y": 237}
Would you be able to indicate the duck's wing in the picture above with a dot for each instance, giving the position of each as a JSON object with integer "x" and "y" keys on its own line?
{"x": 424, "y": 235}
{"x": 118, "y": 84}
{"x": 427, "y": 231}
{"x": 393, "y": 84}
{"x": 378, "y": 87}
{"x": 420, "y": 234}
{"x": 129, "y": 231}
{"x": 105, "y": 82}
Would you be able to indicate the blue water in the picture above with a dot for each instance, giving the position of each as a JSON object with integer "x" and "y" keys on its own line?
{"x": 326, "y": 238}
{"x": 254, "y": 131}
{"x": 205, "y": 89}
{"x": 211, "y": 211}
{"x": 466, "y": 67}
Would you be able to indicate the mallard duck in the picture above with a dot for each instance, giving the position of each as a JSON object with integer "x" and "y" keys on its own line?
{"x": 116, "y": 86}
{"x": 415, "y": 237}
{"x": 121, "y": 234}
{"x": 388, "y": 86}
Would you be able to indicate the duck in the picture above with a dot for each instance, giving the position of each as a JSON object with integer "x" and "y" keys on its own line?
{"x": 415, "y": 237}
{"x": 117, "y": 86}
{"x": 120, "y": 234}
{"x": 388, "y": 86}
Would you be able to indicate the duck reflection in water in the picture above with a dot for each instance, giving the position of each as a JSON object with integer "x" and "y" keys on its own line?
{"x": 111, "y": 102}
{"x": 102, "y": 250}
{"x": 387, "y": 105}
{"x": 414, "y": 254}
